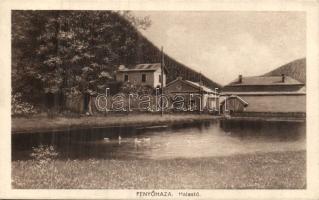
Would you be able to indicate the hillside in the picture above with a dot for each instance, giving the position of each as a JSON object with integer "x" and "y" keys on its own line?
{"x": 74, "y": 52}
{"x": 295, "y": 69}
{"x": 147, "y": 52}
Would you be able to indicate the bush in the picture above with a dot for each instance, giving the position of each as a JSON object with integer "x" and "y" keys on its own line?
{"x": 20, "y": 107}
{"x": 128, "y": 87}
{"x": 43, "y": 154}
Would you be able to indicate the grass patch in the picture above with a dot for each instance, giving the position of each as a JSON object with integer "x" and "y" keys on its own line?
{"x": 280, "y": 170}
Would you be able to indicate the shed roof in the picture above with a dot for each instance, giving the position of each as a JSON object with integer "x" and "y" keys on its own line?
{"x": 245, "y": 103}
{"x": 195, "y": 85}
{"x": 202, "y": 87}
{"x": 264, "y": 80}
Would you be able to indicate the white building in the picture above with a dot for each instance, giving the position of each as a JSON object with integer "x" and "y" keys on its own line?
{"x": 142, "y": 74}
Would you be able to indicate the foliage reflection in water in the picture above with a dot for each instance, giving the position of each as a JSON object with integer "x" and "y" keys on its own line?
{"x": 207, "y": 139}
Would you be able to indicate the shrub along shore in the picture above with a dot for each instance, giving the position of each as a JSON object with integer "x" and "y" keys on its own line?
{"x": 276, "y": 170}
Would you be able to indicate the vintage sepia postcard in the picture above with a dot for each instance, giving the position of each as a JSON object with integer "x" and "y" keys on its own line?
{"x": 159, "y": 100}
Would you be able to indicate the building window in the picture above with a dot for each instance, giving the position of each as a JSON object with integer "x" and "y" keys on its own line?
{"x": 143, "y": 78}
{"x": 125, "y": 77}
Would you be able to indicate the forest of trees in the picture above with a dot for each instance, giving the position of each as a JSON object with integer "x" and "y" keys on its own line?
{"x": 72, "y": 52}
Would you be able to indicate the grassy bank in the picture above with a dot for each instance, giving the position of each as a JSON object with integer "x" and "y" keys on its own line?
{"x": 263, "y": 170}
{"x": 41, "y": 124}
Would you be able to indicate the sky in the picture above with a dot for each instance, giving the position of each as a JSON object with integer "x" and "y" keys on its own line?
{"x": 223, "y": 44}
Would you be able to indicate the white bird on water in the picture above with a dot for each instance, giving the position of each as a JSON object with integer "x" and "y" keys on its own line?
{"x": 142, "y": 141}
{"x": 137, "y": 141}
{"x": 146, "y": 139}
{"x": 120, "y": 138}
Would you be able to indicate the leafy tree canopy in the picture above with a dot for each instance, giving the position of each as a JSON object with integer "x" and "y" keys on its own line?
{"x": 67, "y": 51}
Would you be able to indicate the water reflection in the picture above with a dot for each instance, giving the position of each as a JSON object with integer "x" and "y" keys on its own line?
{"x": 207, "y": 139}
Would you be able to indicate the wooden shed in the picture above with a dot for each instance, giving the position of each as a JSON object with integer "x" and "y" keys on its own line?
{"x": 196, "y": 95}
{"x": 233, "y": 104}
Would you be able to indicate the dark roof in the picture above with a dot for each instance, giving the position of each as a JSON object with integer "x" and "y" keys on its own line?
{"x": 141, "y": 67}
{"x": 263, "y": 81}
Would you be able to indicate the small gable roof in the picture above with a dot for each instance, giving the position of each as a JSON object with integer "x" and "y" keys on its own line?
{"x": 236, "y": 97}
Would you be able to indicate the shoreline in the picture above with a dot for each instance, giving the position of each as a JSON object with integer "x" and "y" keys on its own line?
{"x": 23, "y": 125}
{"x": 38, "y": 124}
{"x": 265, "y": 119}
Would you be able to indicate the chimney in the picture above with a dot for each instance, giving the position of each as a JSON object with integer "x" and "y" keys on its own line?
{"x": 283, "y": 78}
{"x": 240, "y": 78}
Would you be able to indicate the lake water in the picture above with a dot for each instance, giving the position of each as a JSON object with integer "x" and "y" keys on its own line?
{"x": 206, "y": 139}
